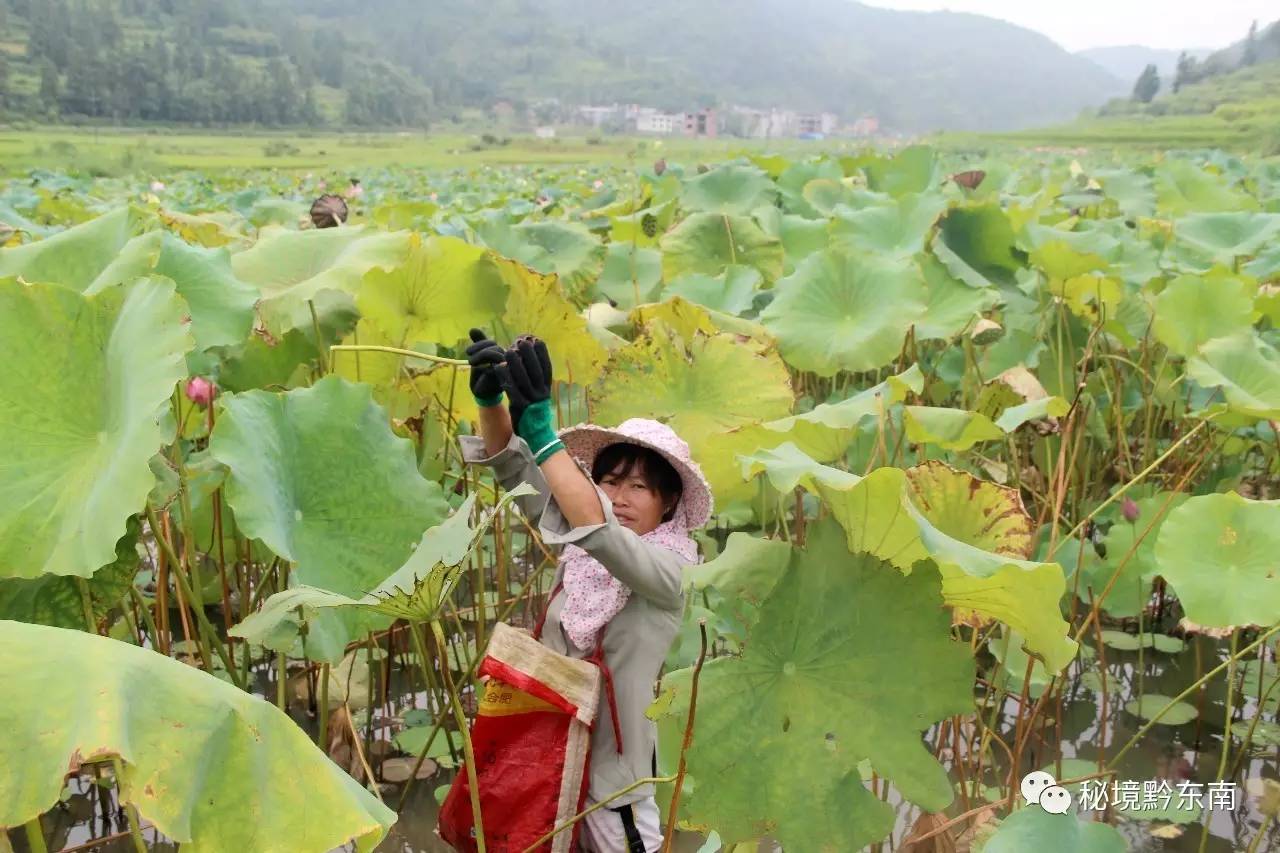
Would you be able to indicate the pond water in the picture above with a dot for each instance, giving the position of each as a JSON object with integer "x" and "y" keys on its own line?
{"x": 1189, "y": 752}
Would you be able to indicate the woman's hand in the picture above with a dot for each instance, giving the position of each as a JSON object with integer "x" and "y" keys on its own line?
{"x": 484, "y": 355}
{"x": 526, "y": 377}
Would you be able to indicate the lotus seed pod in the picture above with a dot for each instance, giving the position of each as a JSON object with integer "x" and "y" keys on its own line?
{"x": 328, "y": 211}
{"x": 201, "y": 391}
{"x": 649, "y": 225}
{"x": 986, "y": 332}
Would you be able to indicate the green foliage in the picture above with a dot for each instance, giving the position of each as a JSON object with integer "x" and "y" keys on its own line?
{"x": 163, "y": 719}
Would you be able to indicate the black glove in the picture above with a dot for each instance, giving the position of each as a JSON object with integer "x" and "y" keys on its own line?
{"x": 526, "y": 377}
{"x": 484, "y": 355}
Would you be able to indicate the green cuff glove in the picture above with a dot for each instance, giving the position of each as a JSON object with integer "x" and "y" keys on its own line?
{"x": 536, "y": 429}
{"x": 489, "y": 401}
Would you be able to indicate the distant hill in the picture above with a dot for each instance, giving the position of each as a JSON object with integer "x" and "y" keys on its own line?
{"x": 408, "y": 62}
{"x": 1127, "y": 61}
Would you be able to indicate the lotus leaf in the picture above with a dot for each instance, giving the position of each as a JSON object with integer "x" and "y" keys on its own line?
{"x": 708, "y": 242}
{"x": 76, "y": 463}
{"x": 443, "y": 288}
{"x": 841, "y": 311}
{"x": 163, "y": 718}
{"x": 291, "y": 267}
{"x": 1193, "y": 310}
{"x": 730, "y": 189}
{"x": 1219, "y": 552}
{"x": 702, "y": 388}
{"x": 319, "y": 477}
{"x": 815, "y": 692}
{"x": 1033, "y": 828}
{"x": 976, "y": 244}
{"x": 1247, "y": 369}
{"x": 86, "y": 255}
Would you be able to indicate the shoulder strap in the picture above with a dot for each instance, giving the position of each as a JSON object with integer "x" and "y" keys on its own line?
{"x": 596, "y": 657}
{"x": 537, "y": 631}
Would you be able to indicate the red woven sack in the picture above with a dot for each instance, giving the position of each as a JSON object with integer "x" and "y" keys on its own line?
{"x": 531, "y": 739}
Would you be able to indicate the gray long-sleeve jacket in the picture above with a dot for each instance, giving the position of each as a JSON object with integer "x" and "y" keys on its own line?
{"x": 638, "y": 637}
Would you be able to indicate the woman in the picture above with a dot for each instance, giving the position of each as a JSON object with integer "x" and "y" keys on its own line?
{"x": 622, "y": 502}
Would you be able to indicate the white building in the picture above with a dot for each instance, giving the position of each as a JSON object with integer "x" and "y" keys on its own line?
{"x": 656, "y": 122}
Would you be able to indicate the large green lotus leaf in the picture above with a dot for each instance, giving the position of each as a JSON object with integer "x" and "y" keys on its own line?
{"x": 709, "y": 242}
{"x": 746, "y": 572}
{"x": 1060, "y": 260}
{"x": 273, "y": 363}
{"x": 979, "y": 513}
{"x": 79, "y": 420}
{"x": 702, "y": 388}
{"x": 1021, "y": 593}
{"x": 1032, "y": 410}
{"x": 319, "y": 477}
{"x": 567, "y": 249}
{"x": 950, "y": 429}
{"x": 416, "y": 591}
{"x": 912, "y": 170}
{"x": 731, "y": 292}
{"x": 842, "y": 311}
{"x": 1133, "y": 587}
{"x": 631, "y": 276}
{"x": 291, "y": 267}
{"x": 1033, "y": 828}
{"x": 536, "y": 305}
{"x": 1221, "y": 238}
{"x": 443, "y": 288}
{"x": 976, "y": 244}
{"x": 824, "y": 433}
{"x": 1194, "y": 309}
{"x": 221, "y": 305}
{"x": 730, "y": 189}
{"x": 951, "y": 304}
{"x": 819, "y": 689}
{"x": 1220, "y": 553}
{"x": 824, "y": 195}
{"x": 897, "y": 229}
{"x": 53, "y": 600}
{"x": 86, "y": 255}
{"x": 1183, "y": 187}
{"x": 686, "y": 318}
{"x": 880, "y": 515}
{"x": 1266, "y": 266}
{"x": 1246, "y": 368}
{"x": 203, "y": 760}
{"x": 644, "y": 227}
{"x": 1132, "y": 191}
{"x": 800, "y": 237}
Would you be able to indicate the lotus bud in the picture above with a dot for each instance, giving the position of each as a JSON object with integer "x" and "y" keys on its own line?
{"x": 986, "y": 332}
{"x": 157, "y": 186}
{"x": 201, "y": 391}
{"x": 1129, "y": 509}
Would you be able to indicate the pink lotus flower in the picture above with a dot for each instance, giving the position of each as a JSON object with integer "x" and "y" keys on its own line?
{"x": 434, "y": 196}
{"x": 598, "y": 184}
{"x": 354, "y": 191}
{"x": 201, "y": 391}
{"x": 1129, "y": 509}
{"x": 157, "y": 186}
{"x": 321, "y": 185}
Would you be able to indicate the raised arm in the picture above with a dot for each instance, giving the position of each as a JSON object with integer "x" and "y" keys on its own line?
{"x": 578, "y": 511}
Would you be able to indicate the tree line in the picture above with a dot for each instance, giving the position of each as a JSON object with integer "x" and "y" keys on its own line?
{"x": 204, "y": 62}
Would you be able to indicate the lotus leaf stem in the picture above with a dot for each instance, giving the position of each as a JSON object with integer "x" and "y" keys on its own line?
{"x": 408, "y": 353}
{"x": 35, "y": 835}
{"x": 135, "y": 819}
{"x": 472, "y": 782}
{"x": 647, "y": 780}
{"x": 674, "y": 808}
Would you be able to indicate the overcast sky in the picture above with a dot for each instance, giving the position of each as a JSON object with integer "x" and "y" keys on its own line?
{"x": 1077, "y": 24}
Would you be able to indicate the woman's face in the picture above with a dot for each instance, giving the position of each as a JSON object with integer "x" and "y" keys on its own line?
{"x": 637, "y": 506}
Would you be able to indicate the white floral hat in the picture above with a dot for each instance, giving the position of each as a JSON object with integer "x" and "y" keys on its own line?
{"x": 584, "y": 441}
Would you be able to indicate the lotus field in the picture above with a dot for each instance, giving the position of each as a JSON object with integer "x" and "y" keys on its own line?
{"x": 993, "y": 441}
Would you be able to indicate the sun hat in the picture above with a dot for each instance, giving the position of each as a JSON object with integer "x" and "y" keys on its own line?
{"x": 584, "y": 441}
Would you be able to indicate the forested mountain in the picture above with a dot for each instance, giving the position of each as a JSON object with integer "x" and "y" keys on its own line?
{"x": 404, "y": 62}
